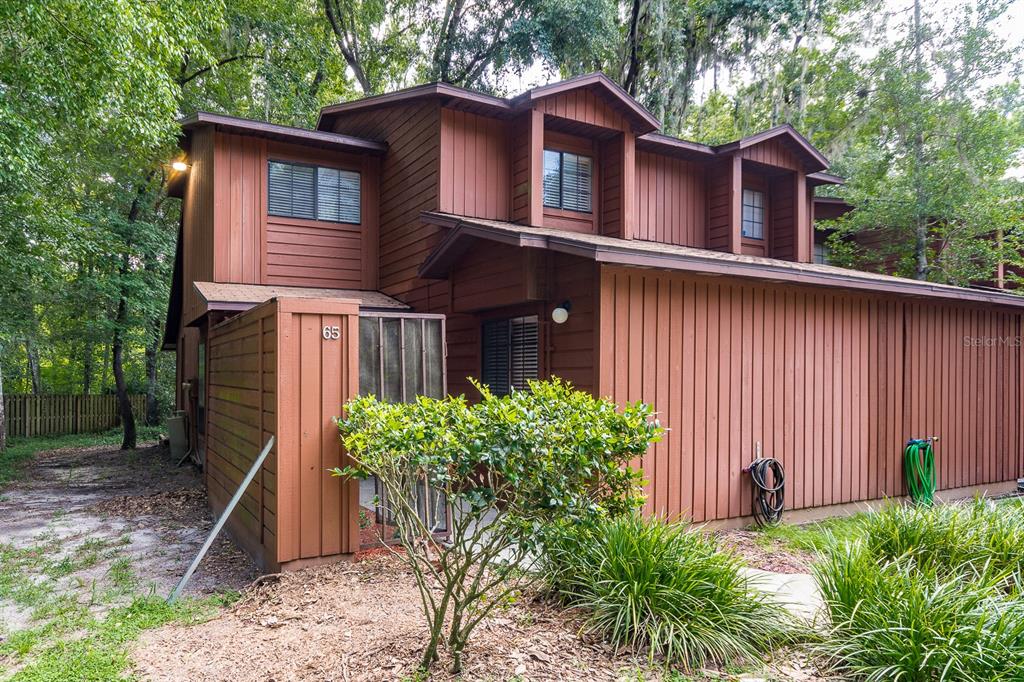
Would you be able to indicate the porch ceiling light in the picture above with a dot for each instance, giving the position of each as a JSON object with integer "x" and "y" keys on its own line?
{"x": 560, "y": 314}
{"x": 179, "y": 166}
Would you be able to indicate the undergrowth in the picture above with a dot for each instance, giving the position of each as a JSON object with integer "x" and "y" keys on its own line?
{"x": 649, "y": 584}
{"x": 928, "y": 593}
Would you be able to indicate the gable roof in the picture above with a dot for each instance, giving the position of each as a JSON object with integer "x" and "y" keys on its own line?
{"x": 815, "y": 160}
{"x": 643, "y": 120}
{"x": 273, "y": 131}
{"x": 480, "y": 102}
{"x": 465, "y": 233}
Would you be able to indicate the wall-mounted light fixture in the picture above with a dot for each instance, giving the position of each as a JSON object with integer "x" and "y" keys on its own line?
{"x": 179, "y": 165}
{"x": 560, "y": 314}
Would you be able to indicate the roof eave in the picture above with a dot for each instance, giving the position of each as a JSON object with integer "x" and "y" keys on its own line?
{"x": 289, "y": 134}
{"x": 625, "y": 256}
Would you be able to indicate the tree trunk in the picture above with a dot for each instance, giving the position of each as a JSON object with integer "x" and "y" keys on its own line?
{"x": 152, "y": 360}
{"x": 124, "y": 405}
{"x": 87, "y": 369}
{"x": 3, "y": 414}
{"x": 920, "y": 216}
{"x": 32, "y": 353}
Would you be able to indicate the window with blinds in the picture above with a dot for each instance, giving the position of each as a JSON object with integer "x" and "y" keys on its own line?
{"x": 568, "y": 181}
{"x": 510, "y": 356}
{"x": 299, "y": 190}
{"x": 753, "y": 214}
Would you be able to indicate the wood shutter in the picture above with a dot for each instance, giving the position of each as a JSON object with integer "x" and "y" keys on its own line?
{"x": 509, "y": 350}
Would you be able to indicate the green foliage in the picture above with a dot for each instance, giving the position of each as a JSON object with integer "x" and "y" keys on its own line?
{"x": 510, "y": 468}
{"x": 814, "y": 537}
{"x": 980, "y": 538}
{"x": 664, "y": 587}
{"x": 892, "y": 620}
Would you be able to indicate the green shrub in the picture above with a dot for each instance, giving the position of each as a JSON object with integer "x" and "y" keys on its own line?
{"x": 891, "y": 619}
{"x": 647, "y": 583}
{"x": 508, "y": 467}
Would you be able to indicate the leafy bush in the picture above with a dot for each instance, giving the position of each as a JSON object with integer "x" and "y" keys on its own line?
{"x": 650, "y": 583}
{"x": 894, "y": 620}
{"x": 509, "y": 467}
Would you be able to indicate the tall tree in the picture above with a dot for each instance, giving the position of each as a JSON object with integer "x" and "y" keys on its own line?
{"x": 943, "y": 124}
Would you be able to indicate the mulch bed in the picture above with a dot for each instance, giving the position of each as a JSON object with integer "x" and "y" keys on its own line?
{"x": 775, "y": 557}
{"x": 362, "y": 621}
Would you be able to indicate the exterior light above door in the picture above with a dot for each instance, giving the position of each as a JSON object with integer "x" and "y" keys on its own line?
{"x": 179, "y": 166}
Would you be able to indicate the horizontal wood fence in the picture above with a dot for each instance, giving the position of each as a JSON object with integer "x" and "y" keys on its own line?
{"x": 51, "y": 415}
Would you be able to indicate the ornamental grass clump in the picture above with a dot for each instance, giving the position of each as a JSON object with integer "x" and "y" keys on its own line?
{"x": 982, "y": 540}
{"x": 654, "y": 585}
{"x": 894, "y": 619}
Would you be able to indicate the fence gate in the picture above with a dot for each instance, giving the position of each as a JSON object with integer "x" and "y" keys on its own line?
{"x": 401, "y": 356}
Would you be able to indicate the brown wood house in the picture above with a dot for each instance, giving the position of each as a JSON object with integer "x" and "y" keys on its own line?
{"x": 421, "y": 237}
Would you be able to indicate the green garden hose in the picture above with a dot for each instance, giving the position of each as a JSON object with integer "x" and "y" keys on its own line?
{"x": 919, "y": 468}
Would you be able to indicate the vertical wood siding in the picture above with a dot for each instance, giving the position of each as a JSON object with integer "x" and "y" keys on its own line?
{"x": 719, "y": 203}
{"x": 271, "y": 372}
{"x": 830, "y": 383}
{"x": 318, "y": 515}
{"x": 584, "y": 106}
{"x": 252, "y": 247}
{"x": 671, "y": 200}
{"x": 197, "y": 221}
{"x": 475, "y": 165}
{"x": 772, "y": 153}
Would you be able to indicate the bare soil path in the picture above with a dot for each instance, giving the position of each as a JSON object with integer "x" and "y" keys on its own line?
{"x": 101, "y": 508}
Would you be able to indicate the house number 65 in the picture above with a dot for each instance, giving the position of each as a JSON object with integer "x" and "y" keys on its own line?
{"x": 332, "y": 333}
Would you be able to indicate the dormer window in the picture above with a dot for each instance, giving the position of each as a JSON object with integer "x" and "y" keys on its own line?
{"x": 568, "y": 181}
{"x": 753, "y": 214}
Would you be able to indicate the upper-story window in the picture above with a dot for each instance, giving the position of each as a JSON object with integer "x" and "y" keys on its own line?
{"x": 300, "y": 190}
{"x": 753, "y": 214}
{"x": 568, "y": 181}
{"x": 821, "y": 254}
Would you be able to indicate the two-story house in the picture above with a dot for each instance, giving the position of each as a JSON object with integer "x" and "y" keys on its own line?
{"x": 421, "y": 237}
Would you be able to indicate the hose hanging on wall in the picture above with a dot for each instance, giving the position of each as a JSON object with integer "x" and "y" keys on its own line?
{"x": 919, "y": 469}
{"x": 769, "y": 498}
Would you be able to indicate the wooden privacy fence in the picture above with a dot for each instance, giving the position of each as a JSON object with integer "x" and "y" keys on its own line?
{"x": 50, "y": 415}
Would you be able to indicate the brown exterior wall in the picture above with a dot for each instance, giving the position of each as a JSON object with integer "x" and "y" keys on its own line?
{"x": 832, "y": 384}
{"x": 408, "y": 186}
{"x": 483, "y": 289}
{"x": 252, "y": 247}
{"x": 476, "y": 164}
{"x": 241, "y": 417}
{"x": 272, "y": 372}
{"x": 671, "y": 200}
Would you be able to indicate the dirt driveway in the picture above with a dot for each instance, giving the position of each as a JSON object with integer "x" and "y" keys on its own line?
{"x": 96, "y": 513}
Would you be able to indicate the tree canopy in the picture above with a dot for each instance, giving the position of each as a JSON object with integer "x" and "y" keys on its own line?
{"x": 920, "y": 110}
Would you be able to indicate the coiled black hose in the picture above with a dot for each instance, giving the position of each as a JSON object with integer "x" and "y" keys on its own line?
{"x": 768, "y": 499}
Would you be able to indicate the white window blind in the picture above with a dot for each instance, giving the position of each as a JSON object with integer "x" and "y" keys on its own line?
{"x": 297, "y": 190}
{"x": 753, "y": 214}
{"x": 568, "y": 181}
